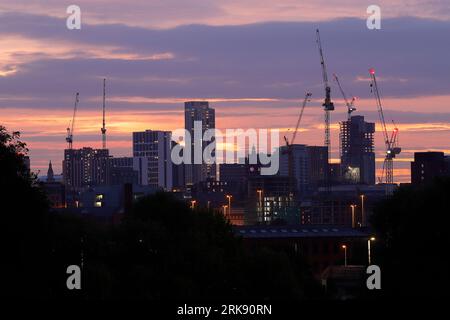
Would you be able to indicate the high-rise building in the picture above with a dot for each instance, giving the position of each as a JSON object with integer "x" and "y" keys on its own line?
{"x": 429, "y": 165}
{"x": 152, "y": 158}
{"x": 309, "y": 166}
{"x": 357, "y": 150}
{"x": 178, "y": 172}
{"x": 199, "y": 112}
{"x": 317, "y": 164}
{"x": 299, "y": 166}
{"x": 85, "y": 167}
{"x": 122, "y": 171}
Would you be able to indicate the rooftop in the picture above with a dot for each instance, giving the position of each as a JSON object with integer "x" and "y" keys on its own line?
{"x": 301, "y": 231}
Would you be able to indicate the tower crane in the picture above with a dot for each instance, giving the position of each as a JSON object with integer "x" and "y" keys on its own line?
{"x": 327, "y": 106}
{"x": 103, "y": 129}
{"x": 390, "y": 142}
{"x": 350, "y": 105}
{"x": 69, "y": 138}
{"x": 290, "y": 144}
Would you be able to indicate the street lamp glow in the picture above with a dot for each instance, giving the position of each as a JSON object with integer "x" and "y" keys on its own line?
{"x": 229, "y": 203}
{"x": 353, "y": 206}
{"x": 363, "y": 214}
{"x": 225, "y": 210}
{"x": 369, "y": 255}
{"x": 260, "y": 202}
{"x": 345, "y": 254}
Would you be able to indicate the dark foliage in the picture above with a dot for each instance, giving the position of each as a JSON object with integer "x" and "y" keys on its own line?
{"x": 162, "y": 250}
{"x": 415, "y": 240}
{"x": 24, "y": 216}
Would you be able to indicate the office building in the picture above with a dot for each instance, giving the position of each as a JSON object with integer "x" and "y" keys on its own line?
{"x": 152, "y": 158}
{"x": 122, "y": 171}
{"x": 269, "y": 201}
{"x": 299, "y": 166}
{"x": 317, "y": 163}
{"x": 85, "y": 167}
{"x": 178, "y": 180}
{"x": 320, "y": 246}
{"x": 357, "y": 150}
{"x": 236, "y": 175}
{"x": 429, "y": 165}
{"x": 198, "y": 112}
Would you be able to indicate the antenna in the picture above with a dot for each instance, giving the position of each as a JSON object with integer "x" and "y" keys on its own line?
{"x": 103, "y": 129}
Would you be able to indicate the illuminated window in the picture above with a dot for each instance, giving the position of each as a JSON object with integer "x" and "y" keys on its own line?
{"x": 98, "y": 204}
{"x": 99, "y": 197}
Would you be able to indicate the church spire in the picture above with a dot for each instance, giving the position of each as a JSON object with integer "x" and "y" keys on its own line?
{"x": 50, "y": 177}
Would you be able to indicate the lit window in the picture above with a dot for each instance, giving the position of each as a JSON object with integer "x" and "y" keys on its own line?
{"x": 98, "y": 204}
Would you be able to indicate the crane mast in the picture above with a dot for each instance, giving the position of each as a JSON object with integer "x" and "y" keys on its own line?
{"x": 69, "y": 138}
{"x": 290, "y": 144}
{"x": 390, "y": 142}
{"x": 350, "y": 105}
{"x": 327, "y": 106}
{"x": 103, "y": 129}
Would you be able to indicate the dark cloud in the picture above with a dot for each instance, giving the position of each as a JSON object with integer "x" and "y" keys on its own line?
{"x": 277, "y": 60}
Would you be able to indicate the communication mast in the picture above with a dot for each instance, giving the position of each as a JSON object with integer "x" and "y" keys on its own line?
{"x": 103, "y": 129}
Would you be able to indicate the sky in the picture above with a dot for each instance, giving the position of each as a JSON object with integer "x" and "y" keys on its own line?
{"x": 252, "y": 59}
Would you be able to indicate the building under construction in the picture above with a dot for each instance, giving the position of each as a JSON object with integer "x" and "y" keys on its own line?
{"x": 357, "y": 150}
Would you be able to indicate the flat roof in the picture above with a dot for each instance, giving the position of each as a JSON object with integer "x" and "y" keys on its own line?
{"x": 300, "y": 231}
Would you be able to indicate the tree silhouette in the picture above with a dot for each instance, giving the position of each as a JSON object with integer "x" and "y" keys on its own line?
{"x": 24, "y": 214}
{"x": 162, "y": 250}
{"x": 413, "y": 229}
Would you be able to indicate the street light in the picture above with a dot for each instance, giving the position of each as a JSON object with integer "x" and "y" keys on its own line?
{"x": 363, "y": 215}
{"x": 224, "y": 210}
{"x": 368, "y": 249}
{"x": 193, "y": 202}
{"x": 260, "y": 204}
{"x": 229, "y": 203}
{"x": 345, "y": 254}
{"x": 353, "y": 206}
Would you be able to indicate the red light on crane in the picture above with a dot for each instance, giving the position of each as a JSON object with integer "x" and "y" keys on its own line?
{"x": 372, "y": 71}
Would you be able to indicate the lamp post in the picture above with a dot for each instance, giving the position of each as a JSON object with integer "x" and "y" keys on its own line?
{"x": 260, "y": 203}
{"x": 225, "y": 210}
{"x": 193, "y": 202}
{"x": 368, "y": 249}
{"x": 363, "y": 214}
{"x": 353, "y": 206}
{"x": 345, "y": 254}
{"x": 229, "y": 203}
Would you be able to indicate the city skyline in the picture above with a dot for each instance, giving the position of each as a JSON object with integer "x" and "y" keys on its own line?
{"x": 153, "y": 68}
